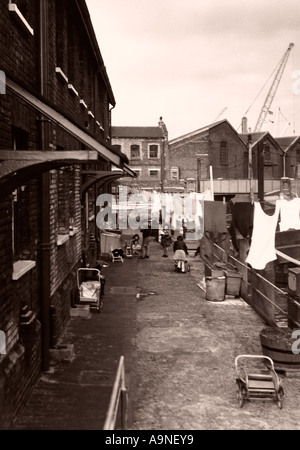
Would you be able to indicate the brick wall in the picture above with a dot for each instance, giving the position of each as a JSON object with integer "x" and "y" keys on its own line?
{"x": 186, "y": 153}
{"x": 20, "y": 299}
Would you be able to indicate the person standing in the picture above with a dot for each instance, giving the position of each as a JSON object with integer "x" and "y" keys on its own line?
{"x": 146, "y": 234}
{"x": 166, "y": 241}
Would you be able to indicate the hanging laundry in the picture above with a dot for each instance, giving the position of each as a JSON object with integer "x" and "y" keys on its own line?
{"x": 262, "y": 248}
{"x": 289, "y": 214}
{"x": 215, "y": 227}
{"x": 242, "y": 221}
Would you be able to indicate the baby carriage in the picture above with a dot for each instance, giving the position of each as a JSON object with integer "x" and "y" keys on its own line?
{"x": 181, "y": 266}
{"x": 90, "y": 284}
{"x": 116, "y": 254}
{"x": 257, "y": 382}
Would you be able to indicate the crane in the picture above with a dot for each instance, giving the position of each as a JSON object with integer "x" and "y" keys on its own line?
{"x": 220, "y": 114}
{"x": 272, "y": 91}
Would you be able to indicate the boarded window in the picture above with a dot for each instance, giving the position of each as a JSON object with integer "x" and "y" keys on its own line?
{"x": 223, "y": 153}
{"x": 134, "y": 151}
{"x": 153, "y": 173}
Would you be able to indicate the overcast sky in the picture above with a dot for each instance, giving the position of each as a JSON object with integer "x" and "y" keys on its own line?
{"x": 188, "y": 60}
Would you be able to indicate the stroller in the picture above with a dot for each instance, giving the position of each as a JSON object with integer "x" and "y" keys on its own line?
{"x": 116, "y": 254}
{"x": 181, "y": 266}
{"x": 257, "y": 383}
{"x": 90, "y": 287}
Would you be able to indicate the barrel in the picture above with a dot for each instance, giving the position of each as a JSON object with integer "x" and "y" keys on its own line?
{"x": 215, "y": 289}
{"x": 277, "y": 344}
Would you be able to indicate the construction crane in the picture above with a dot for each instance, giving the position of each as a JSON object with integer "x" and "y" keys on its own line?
{"x": 272, "y": 91}
{"x": 220, "y": 114}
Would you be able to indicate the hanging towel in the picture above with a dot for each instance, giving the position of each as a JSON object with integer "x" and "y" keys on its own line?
{"x": 262, "y": 248}
{"x": 289, "y": 214}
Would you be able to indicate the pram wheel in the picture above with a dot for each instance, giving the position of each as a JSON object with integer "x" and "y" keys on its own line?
{"x": 280, "y": 397}
{"x": 240, "y": 393}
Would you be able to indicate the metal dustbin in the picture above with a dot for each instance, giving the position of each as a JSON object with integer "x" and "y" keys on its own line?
{"x": 233, "y": 283}
{"x": 215, "y": 289}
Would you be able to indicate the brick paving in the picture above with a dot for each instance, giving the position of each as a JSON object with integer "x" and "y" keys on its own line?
{"x": 75, "y": 395}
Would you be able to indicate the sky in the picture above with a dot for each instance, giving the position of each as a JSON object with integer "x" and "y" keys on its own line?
{"x": 195, "y": 62}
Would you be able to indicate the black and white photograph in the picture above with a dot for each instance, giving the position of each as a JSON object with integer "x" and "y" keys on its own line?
{"x": 150, "y": 218}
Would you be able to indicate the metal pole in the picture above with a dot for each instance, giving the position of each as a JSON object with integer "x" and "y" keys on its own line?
{"x": 261, "y": 163}
{"x": 44, "y": 246}
{"x": 250, "y": 168}
{"x": 211, "y": 182}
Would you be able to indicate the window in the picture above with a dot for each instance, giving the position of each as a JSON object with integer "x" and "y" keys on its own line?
{"x": 267, "y": 153}
{"x": 298, "y": 155}
{"x": 137, "y": 172}
{"x": 154, "y": 173}
{"x": 174, "y": 173}
{"x": 223, "y": 153}
{"x": 134, "y": 151}
{"x": 153, "y": 151}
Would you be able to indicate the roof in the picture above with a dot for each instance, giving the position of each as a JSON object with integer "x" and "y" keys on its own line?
{"x": 198, "y": 131}
{"x": 286, "y": 142}
{"x": 203, "y": 130}
{"x": 254, "y": 136}
{"x": 259, "y": 136}
{"x": 136, "y": 132}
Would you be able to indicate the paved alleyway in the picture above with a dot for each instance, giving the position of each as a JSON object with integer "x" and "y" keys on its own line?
{"x": 186, "y": 347}
{"x": 75, "y": 395}
{"x": 179, "y": 354}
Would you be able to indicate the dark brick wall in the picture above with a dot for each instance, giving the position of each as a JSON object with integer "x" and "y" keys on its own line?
{"x": 20, "y": 300}
{"x": 187, "y": 152}
{"x": 19, "y": 49}
{"x": 184, "y": 154}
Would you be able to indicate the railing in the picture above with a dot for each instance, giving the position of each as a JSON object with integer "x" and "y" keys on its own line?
{"x": 118, "y": 400}
{"x": 269, "y": 301}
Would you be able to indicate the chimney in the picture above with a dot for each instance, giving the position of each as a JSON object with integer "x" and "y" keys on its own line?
{"x": 244, "y": 125}
{"x": 163, "y": 127}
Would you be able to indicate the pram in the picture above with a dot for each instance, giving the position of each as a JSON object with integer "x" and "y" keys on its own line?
{"x": 259, "y": 383}
{"x": 90, "y": 284}
{"x": 132, "y": 247}
{"x": 116, "y": 254}
{"x": 181, "y": 266}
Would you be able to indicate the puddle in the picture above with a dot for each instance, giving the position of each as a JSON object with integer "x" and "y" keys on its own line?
{"x": 143, "y": 295}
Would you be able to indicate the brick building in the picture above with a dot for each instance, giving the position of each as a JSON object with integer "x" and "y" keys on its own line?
{"x": 145, "y": 149}
{"x": 189, "y": 158}
{"x": 56, "y": 157}
{"x": 290, "y": 145}
{"x": 218, "y": 154}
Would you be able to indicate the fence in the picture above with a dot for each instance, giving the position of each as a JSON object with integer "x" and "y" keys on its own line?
{"x": 118, "y": 401}
{"x": 269, "y": 301}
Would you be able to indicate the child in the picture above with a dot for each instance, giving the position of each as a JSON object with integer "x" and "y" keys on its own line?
{"x": 166, "y": 241}
{"x": 180, "y": 253}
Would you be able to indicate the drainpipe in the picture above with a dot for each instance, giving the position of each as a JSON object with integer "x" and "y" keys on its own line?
{"x": 44, "y": 246}
{"x": 163, "y": 165}
{"x": 284, "y": 163}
